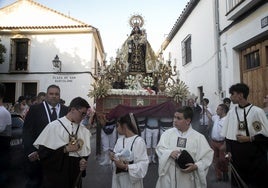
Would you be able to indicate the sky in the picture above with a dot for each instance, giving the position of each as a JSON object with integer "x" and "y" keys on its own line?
{"x": 111, "y": 17}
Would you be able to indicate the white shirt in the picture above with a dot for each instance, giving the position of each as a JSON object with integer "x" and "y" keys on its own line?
{"x": 217, "y": 127}
{"x": 5, "y": 122}
{"x": 204, "y": 118}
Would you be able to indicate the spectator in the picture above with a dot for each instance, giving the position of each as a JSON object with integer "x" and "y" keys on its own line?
{"x": 196, "y": 116}
{"x": 227, "y": 102}
{"x": 41, "y": 97}
{"x": 108, "y": 139}
{"x": 23, "y": 106}
{"x": 17, "y": 121}
{"x": 205, "y": 123}
{"x": 64, "y": 147}
{"x": 217, "y": 142}
{"x": 34, "y": 100}
{"x": 246, "y": 130}
{"x": 5, "y": 137}
{"x": 37, "y": 118}
{"x": 129, "y": 155}
{"x": 183, "y": 139}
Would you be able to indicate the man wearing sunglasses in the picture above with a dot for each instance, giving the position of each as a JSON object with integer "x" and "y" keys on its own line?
{"x": 64, "y": 146}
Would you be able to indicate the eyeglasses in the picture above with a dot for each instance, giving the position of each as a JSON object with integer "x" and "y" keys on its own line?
{"x": 83, "y": 114}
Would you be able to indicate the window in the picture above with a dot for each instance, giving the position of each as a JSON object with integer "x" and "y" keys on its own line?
{"x": 29, "y": 89}
{"x": 186, "y": 50}
{"x": 252, "y": 60}
{"x": 19, "y": 54}
{"x": 10, "y": 92}
{"x": 231, "y": 4}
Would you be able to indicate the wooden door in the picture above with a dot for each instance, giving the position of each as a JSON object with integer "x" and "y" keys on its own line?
{"x": 254, "y": 71}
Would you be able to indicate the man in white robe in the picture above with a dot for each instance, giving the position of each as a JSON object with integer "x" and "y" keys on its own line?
{"x": 64, "y": 146}
{"x": 172, "y": 142}
{"x": 246, "y": 131}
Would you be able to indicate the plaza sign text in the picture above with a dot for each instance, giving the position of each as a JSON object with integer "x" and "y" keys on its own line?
{"x": 63, "y": 79}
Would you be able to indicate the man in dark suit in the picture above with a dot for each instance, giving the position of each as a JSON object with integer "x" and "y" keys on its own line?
{"x": 196, "y": 116}
{"x": 36, "y": 119}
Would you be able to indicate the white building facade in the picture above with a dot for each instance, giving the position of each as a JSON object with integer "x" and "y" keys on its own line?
{"x": 214, "y": 45}
{"x": 244, "y": 45}
{"x": 193, "y": 49}
{"x": 45, "y": 47}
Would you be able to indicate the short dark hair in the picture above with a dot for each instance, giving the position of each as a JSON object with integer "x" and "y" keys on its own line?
{"x": 21, "y": 98}
{"x": 206, "y": 100}
{"x": 2, "y": 90}
{"x": 78, "y": 103}
{"x": 41, "y": 94}
{"x": 240, "y": 88}
{"x": 53, "y": 86}
{"x": 227, "y": 100}
{"x": 187, "y": 112}
{"x": 224, "y": 107}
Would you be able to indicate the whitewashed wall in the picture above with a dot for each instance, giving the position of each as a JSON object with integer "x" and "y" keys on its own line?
{"x": 246, "y": 30}
{"x": 72, "y": 85}
{"x": 74, "y": 50}
{"x": 202, "y": 71}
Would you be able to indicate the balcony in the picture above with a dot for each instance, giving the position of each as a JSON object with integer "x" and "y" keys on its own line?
{"x": 236, "y": 8}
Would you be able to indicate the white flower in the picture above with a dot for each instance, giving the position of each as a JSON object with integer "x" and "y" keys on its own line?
{"x": 148, "y": 81}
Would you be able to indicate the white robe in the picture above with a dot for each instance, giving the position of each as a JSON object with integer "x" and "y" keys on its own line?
{"x": 55, "y": 136}
{"x": 256, "y": 116}
{"x": 136, "y": 171}
{"x": 170, "y": 175}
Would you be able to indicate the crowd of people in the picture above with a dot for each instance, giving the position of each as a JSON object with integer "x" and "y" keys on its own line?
{"x": 56, "y": 142}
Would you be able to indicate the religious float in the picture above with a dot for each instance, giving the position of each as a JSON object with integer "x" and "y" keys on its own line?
{"x": 137, "y": 80}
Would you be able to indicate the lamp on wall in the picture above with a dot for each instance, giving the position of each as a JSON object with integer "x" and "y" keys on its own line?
{"x": 57, "y": 63}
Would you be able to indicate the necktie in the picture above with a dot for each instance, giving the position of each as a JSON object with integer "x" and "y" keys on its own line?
{"x": 53, "y": 114}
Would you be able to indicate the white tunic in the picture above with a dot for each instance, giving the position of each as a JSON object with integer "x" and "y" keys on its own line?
{"x": 256, "y": 121}
{"x": 136, "y": 171}
{"x": 55, "y": 136}
{"x": 217, "y": 127}
{"x": 170, "y": 174}
{"x": 5, "y": 122}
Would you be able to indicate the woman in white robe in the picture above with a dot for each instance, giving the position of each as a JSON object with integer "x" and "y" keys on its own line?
{"x": 130, "y": 160}
{"x": 183, "y": 137}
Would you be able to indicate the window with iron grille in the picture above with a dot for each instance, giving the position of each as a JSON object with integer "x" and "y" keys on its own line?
{"x": 19, "y": 54}
{"x": 252, "y": 60}
{"x": 186, "y": 50}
